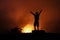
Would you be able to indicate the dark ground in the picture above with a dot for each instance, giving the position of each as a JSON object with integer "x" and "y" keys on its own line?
{"x": 35, "y": 35}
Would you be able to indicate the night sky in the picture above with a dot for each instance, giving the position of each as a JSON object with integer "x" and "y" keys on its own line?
{"x": 17, "y": 13}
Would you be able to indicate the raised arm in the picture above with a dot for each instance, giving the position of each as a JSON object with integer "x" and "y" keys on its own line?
{"x": 32, "y": 12}
{"x": 40, "y": 11}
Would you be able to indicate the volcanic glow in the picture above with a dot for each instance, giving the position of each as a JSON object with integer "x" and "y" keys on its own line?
{"x": 27, "y": 29}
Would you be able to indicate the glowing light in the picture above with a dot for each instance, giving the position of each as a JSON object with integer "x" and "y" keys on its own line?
{"x": 27, "y": 29}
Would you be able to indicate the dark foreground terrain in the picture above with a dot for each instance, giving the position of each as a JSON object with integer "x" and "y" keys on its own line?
{"x": 35, "y": 35}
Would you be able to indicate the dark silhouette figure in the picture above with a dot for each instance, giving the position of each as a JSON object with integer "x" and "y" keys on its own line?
{"x": 36, "y": 21}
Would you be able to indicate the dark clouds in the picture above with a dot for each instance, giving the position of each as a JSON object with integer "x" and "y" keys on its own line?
{"x": 16, "y": 12}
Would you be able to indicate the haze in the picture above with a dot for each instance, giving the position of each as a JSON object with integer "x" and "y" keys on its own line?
{"x": 17, "y": 12}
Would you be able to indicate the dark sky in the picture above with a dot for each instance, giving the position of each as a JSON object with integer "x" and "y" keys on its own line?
{"x": 17, "y": 12}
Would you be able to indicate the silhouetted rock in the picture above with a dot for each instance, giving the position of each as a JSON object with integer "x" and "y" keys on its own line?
{"x": 15, "y": 31}
{"x": 38, "y": 31}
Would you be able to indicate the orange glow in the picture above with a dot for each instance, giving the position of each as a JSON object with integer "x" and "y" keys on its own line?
{"x": 27, "y": 29}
